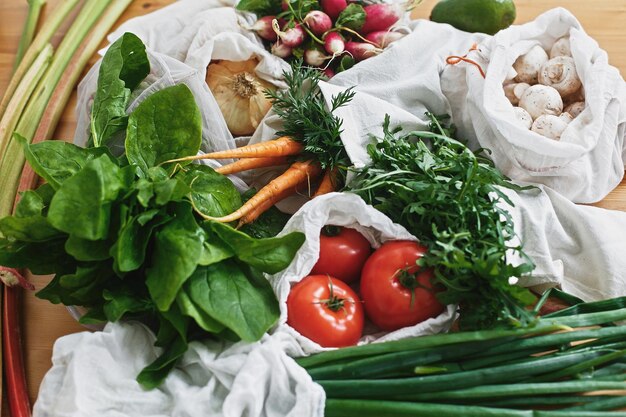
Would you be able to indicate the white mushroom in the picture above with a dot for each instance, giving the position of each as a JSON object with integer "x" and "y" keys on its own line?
{"x": 561, "y": 48}
{"x": 575, "y": 97}
{"x": 541, "y": 99}
{"x": 515, "y": 91}
{"x": 575, "y": 108}
{"x": 528, "y": 66}
{"x": 550, "y": 126}
{"x": 560, "y": 73}
{"x": 523, "y": 117}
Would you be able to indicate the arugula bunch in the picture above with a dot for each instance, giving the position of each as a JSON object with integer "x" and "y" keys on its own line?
{"x": 125, "y": 237}
{"x": 448, "y": 197}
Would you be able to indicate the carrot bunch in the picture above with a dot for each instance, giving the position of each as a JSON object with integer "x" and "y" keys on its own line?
{"x": 310, "y": 136}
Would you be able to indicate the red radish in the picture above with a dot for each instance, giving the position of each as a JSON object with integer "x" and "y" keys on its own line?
{"x": 319, "y": 22}
{"x": 263, "y": 28}
{"x": 334, "y": 43}
{"x": 284, "y": 5}
{"x": 281, "y": 50}
{"x": 382, "y": 16}
{"x": 315, "y": 57}
{"x": 362, "y": 50}
{"x": 291, "y": 37}
{"x": 11, "y": 277}
{"x": 329, "y": 73}
{"x": 383, "y": 38}
{"x": 333, "y": 7}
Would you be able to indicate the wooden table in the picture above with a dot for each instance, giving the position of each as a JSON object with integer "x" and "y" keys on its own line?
{"x": 44, "y": 322}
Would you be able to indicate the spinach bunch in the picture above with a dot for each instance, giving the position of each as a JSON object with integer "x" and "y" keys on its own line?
{"x": 447, "y": 196}
{"x": 125, "y": 236}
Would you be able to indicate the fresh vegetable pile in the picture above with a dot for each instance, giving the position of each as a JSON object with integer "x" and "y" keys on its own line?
{"x": 331, "y": 34}
{"x": 448, "y": 197}
{"x": 486, "y": 373}
{"x": 125, "y": 236}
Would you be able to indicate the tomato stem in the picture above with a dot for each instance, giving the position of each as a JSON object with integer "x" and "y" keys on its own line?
{"x": 408, "y": 279}
{"x": 333, "y": 303}
{"x": 331, "y": 231}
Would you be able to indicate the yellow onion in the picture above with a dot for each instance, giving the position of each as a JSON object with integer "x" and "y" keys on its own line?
{"x": 239, "y": 94}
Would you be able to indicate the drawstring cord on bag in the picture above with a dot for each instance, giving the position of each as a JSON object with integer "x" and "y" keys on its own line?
{"x": 454, "y": 59}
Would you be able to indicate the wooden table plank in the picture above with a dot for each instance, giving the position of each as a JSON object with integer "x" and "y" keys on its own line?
{"x": 45, "y": 322}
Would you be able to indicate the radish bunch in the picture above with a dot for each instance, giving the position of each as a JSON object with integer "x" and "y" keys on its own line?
{"x": 330, "y": 34}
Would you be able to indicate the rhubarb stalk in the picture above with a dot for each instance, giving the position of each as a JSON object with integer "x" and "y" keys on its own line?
{"x": 34, "y": 11}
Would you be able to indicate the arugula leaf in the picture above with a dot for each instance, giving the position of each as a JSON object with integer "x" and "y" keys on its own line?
{"x": 177, "y": 250}
{"x": 55, "y": 160}
{"x": 212, "y": 194}
{"x": 87, "y": 198}
{"x": 123, "y": 67}
{"x": 236, "y": 296}
{"x": 448, "y": 197}
{"x": 260, "y": 7}
{"x": 167, "y": 125}
{"x": 269, "y": 255}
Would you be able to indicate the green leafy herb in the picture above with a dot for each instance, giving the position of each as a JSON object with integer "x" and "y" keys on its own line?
{"x": 448, "y": 198}
{"x": 123, "y": 67}
{"x": 306, "y": 117}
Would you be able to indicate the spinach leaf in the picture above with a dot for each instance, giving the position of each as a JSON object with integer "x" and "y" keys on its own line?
{"x": 154, "y": 374}
{"x": 88, "y": 250}
{"x": 191, "y": 309}
{"x": 167, "y": 125}
{"x": 28, "y": 224}
{"x": 129, "y": 251}
{"x": 87, "y": 282}
{"x": 236, "y": 296}
{"x": 42, "y": 258}
{"x": 177, "y": 249}
{"x": 82, "y": 206}
{"x": 123, "y": 67}
{"x": 269, "y": 255}
{"x": 55, "y": 160}
{"x": 122, "y": 301}
{"x": 212, "y": 194}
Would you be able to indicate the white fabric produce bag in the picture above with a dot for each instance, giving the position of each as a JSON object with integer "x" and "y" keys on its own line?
{"x": 93, "y": 374}
{"x": 349, "y": 210}
{"x": 182, "y": 39}
{"x": 579, "y": 248}
{"x": 587, "y": 163}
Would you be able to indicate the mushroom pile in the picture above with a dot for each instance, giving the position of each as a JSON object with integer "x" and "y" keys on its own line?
{"x": 546, "y": 90}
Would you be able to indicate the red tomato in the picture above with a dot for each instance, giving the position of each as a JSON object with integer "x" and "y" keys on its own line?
{"x": 343, "y": 252}
{"x": 325, "y": 310}
{"x": 395, "y": 292}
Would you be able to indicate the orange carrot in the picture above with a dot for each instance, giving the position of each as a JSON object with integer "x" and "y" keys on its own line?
{"x": 284, "y": 146}
{"x": 297, "y": 173}
{"x": 328, "y": 184}
{"x": 246, "y": 164}
{"x": 267, "y": 204}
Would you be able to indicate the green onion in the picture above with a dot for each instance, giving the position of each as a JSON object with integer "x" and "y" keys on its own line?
{"x": 392, "y": 388}
{"x": 522, "y": 389}
{"x": 424, "y": 342}
{"x": 603, "y": 404}
{"x": 582, "y": 366}
{"x": 592, "y": 307}
{"x": 364, "y": 408}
